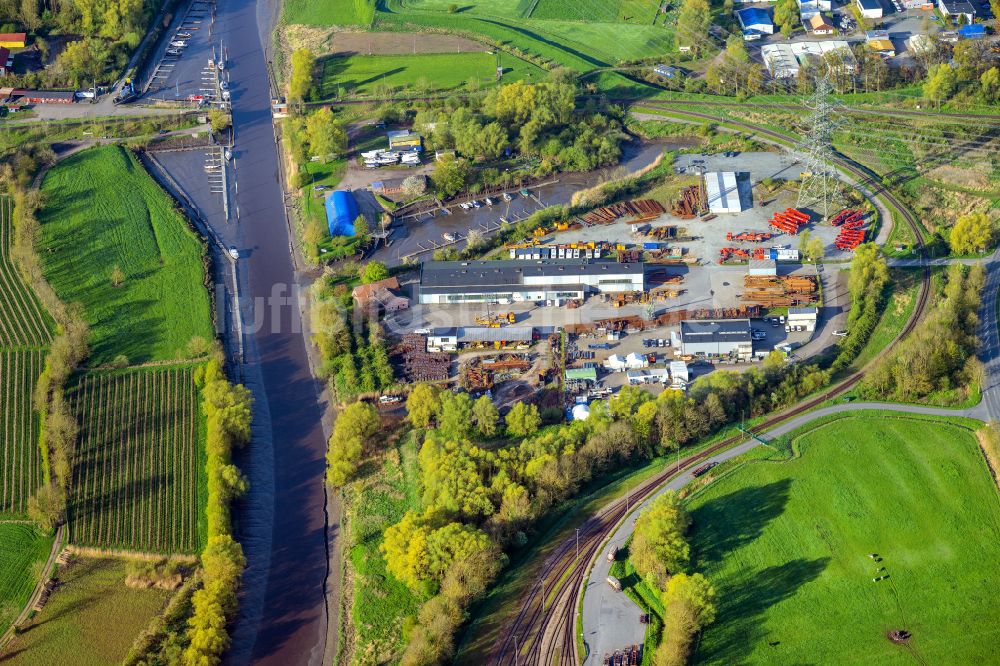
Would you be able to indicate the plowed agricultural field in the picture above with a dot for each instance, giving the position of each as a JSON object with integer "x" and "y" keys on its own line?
{"x": 137, "y": 472}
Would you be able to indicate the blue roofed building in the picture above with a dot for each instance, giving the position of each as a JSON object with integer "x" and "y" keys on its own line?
{"x": 341, "y": 211}
{"x": 755, "y": 20}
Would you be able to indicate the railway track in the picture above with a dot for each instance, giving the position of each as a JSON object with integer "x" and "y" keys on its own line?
{"x": 543, "y": 632}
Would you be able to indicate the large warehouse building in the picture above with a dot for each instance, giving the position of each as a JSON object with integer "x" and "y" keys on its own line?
{"x": 720, "y": 337}
{"x": 551, "y": 281}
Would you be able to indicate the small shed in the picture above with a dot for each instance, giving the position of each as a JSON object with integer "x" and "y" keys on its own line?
{"x": 666, "y": 71}
{"x": 679, "y": 372}
{"x": 974, "y": 31}
{"x": 581, "y": 375}
{"x": 615, "y": 363}
{"x": 341, "y": 211}
{"x": 404, "y": 140}
{"x": 763, "y": 267}
{"x": 819, "y": 25}
{"x": 870, "y": 8}
{"x": 650, "y": 376}
{"x": 13, "y": 40}
{"x": 803, "y": 317}
{"x": 635, "y": 361}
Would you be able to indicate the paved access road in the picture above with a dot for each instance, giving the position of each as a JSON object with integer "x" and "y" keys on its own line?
{"x": 611, "y": 619}
{"x": 282, "y": 524}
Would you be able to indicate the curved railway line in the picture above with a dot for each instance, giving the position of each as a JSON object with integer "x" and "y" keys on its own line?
{"x": 543, "y": 632}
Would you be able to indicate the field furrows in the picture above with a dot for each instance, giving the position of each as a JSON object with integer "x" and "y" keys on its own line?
{"x": 20, "y": 458}
{"x": 23, "y": 323}
{"x": 135, "y": 481}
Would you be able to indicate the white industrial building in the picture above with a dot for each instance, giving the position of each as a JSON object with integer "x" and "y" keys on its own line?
{"x": 717, "y": 338}
{"x": 633, "y": 361}
{"x": 958, "y": 8}
{"x": 802, "y": 317}
{"x": 650, "y": 376}
{"x": 814, "y": 6}
{"x": 549, "y": 281}
{"x": 723, "y": 192}
{"x": 784, "y": 60}
{"x": 449, "y": 339}
{"x": 871, "y": 9}
{"x": 767, "y": 267}
{"x": 679, "y": 372}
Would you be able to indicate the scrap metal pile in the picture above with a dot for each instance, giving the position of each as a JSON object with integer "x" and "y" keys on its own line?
{"x": 627, "y": 657}
{"x": 789, "y": 221}
{"x": 852, "y": 232}
{"x": 689, "y": 203}
{"x": 419, "y": 365}
{"x": 641, "y": 210}
{"x": 775, "y": 292}
{"x": 485, "y": 374}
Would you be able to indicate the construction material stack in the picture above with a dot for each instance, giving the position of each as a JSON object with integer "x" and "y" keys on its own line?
{"x": 642, "y": 210}
{"x": 789, "y": 221}
{"x": 742, "y": 312}
{"x": 689, "y": 203}
{"x": 777, "y": 292}
{"x": 852, "y": 232}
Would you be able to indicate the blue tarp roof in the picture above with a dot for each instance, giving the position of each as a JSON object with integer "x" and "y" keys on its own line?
{"x": 341, "y": 211}
{"x": 974, "y": 30}
{"x": 754, "y": 15}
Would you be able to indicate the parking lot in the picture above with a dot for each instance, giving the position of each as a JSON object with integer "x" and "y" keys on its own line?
{"x": 181, "y": 69}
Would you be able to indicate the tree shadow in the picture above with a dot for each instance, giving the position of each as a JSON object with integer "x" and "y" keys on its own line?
{"x": 727, "y": 523}
{"x": 745, "y": 600}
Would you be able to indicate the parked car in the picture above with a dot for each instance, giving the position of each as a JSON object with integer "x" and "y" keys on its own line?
{"x": 758, "y": 334}
{"x": 233, "y": 252}
{"x": 840, "y": 333}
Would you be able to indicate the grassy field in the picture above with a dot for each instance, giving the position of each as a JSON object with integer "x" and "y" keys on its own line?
{"x": 104, "y": 211}
{"x": 23, "y": 552}
{"x": 138, "y": 470}
{"x": 380, "y": 603}
{"x": 421, "y": 73}
{"x": 621, "y": 11}
{"x": 787, "y": 545}
{"x": 329, "y": 12}
{"x": 91, "y": 619}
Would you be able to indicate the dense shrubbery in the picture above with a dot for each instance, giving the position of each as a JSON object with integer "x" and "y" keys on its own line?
{"x": 538, "y": 121}
{"x": 939, "y": 355}
{"x": 353, "y": 361}
{"x": 866, "y": 284}
{"x": 487, "y": 499}
{"x": 228, "y": 414}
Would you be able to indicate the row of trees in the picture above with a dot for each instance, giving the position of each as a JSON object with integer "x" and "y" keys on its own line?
{"x": 228, "y": 414}
{"x": 939, "y": 355}
{"x": 67, "y": 351}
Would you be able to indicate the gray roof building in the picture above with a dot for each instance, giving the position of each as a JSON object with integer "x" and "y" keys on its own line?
{"x": 716, "y": 337}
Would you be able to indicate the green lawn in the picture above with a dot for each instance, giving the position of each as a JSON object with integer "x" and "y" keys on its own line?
{"x": 329, "y": 12}
{"x": 421, "y": 73}
{"x": 380, "y": 603}
{"x": 623, "y": 11}
{"x": 102, "y": 210}
{"x": 23, "y": 552}
{"x": 787, "y": 546}
{"x": 90, "y": 620}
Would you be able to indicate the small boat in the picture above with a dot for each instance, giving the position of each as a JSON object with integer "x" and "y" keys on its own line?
{"x": 525, "y": 192}
{"x": 450, "y": 237}
{"x": 476, "y": 204}
{"x": 489, "y": 202}
{"x": 507, "y": 197}
{"x": 464, "y": 206}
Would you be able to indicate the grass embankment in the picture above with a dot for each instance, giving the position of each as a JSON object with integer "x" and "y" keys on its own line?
{"x": 903, "y": 292}
{"x": 102, "y": 212}
{"x": 787, "y": 545}
{"x": 380, "y": 603}
{"x": 90, "y": 620}
{"x": 365, "y": 75}
{"x": 23, "y": 552}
